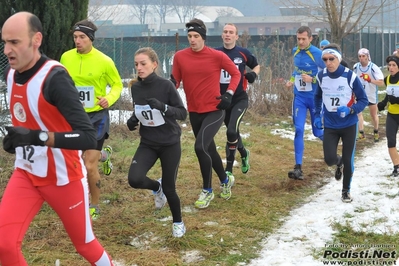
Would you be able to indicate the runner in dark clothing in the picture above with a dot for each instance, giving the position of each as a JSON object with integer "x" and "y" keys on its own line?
{"x": 242, "y": 58}
{"x": 157, "y": 105}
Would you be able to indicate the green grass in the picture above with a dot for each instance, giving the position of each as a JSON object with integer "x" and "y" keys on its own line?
{"x": 226, "y": 233}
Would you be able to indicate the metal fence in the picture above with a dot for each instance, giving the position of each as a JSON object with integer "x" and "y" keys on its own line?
{"x": 122, "y": 50}
{"x": 273, "y": 53}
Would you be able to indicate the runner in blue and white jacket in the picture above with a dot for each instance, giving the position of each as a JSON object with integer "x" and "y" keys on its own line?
{"x": 335, "y": 97}
{"x": 307, "y": 62}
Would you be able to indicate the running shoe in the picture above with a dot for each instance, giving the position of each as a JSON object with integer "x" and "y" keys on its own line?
{"x": 296, "y": 173}
{"x": 245, "y": 163}
{"x": 107, "y": 165}
{"x": 346, "y": 197}
{"x": 226, "y": 187}
{"x": 159, "y": 196}
{"x": 178, "y": 229}
{"x": 204, "y": 199}
{"x": 94, "y": 212}
{"x": 395, "y": 172}
{"x": 361, "y": 135}
{"x": 376, "y": 137}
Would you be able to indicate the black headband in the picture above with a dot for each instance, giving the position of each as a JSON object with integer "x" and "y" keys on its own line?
{"x": 86, "y": 30}
{"x": 196, "y": 28}
{"x": 393, "y": 58}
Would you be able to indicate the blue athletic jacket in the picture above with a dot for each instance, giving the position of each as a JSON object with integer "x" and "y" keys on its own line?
{"x": 306, "y": 61}
{"x": 341, "y": 87}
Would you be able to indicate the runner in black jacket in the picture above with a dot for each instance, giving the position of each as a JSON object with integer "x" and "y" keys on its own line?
{"x": 157, "y": 105}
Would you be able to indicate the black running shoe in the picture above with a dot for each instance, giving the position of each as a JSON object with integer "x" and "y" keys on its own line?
{"x": 296, "y": 173}
{"x": 395, "y": 172}
{"x": 338, "y": 171}
{"x": 346, "y": 197}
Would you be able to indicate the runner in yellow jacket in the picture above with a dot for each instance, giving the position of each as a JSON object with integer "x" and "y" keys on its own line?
{"x": 100, "y": 86}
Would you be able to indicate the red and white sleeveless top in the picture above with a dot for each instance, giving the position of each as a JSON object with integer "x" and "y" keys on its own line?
{"x": 29, "y": 109}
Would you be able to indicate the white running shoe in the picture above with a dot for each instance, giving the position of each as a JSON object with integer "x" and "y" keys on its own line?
{"x": 159, "y": 196}
{"x": 178, "y": 229}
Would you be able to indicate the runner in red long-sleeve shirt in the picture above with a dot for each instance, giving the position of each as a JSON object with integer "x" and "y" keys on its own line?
{"x": 199, "y": 68}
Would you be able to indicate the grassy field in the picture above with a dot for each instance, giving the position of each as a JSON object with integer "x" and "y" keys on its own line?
{"x": 226, "y": 233}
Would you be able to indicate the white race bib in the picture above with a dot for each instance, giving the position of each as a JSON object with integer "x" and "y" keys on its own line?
{"x": 225, "y": 76}
{"x": 147, "y": 116}
{"x": 302, "y": 85}
{"x": 336, "y": 93}
{"x": 86, "y": 95}
{"x": 32, "y": 159}
{"x": 393, "y": 90}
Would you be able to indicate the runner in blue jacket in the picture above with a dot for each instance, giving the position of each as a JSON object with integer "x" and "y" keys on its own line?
{"x": 307, "y": 62}
{"x": 335, "y": 97}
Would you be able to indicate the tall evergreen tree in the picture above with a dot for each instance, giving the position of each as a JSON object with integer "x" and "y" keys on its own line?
{"x": 57, "y": 16}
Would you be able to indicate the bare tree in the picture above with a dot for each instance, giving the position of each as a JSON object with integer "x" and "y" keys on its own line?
{"x": 162, "y": 8}
{"x": 99, "y": 11}
{"x": 343, "y": 16}
{"x": 140, "y": 9}
{"x": 186, "y": 9}
{"x": 225, "y": 12}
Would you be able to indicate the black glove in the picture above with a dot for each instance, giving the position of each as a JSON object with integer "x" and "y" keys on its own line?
{"x": 156, "y": 104}
{"x": 225, "y": 101}
{"x": 250, "y": 76}
{"x": 172, "y": 78}
{"x": 7, "y": 145}
{"x": 381, "y": 106}
{"x": 132, "y": 123}
{"x": 20, "y": 136}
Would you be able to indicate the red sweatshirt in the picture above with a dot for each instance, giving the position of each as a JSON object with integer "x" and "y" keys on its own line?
{"x": 200, "y": 73}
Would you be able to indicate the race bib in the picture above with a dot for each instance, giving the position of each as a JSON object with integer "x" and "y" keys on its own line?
{"x": 32, "y": 159}
{"x": 302, "y": 85}
{"x": 147, "y": 116}
{"x": 225, "y": 76}
{"x": 86, "y": 95}
{"x": 334, "y": 100}
{"x": 393, "y": 90}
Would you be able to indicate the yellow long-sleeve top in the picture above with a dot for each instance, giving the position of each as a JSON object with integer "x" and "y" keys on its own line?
{"x": 92, "y": 73}
{"x": 392, "y": 93}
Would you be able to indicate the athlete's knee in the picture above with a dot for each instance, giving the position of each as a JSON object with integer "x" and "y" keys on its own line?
{"x": 93, "y": 252}
{"x": 135, "y": 180}
{"x": 91, "y": 166}
{"x": 170, "y": 192}
{"x": 8, "y": 249}
{"x": 299, "y": 131}
{"x": 391, "y": 141}
{"x": 231, "y": 135}
{"x": 199, "y": 148}
{"x": 330, "y": 160}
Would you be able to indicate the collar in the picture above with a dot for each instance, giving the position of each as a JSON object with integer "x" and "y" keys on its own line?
{"x": 149, "y": 79}
{"x": 307, "y": 48}
{"x": 337, "y": 73}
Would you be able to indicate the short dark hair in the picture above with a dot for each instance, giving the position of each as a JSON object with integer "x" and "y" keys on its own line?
{"x": 35, "y": 25}
{"x": 303, "y": 29}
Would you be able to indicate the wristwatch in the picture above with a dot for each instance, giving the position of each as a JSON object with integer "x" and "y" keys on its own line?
{"x": 43, "y": 136}
{"x": 352, "y": 111}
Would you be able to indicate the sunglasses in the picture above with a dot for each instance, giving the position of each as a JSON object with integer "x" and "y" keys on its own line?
{"x": 329, "y": 59}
